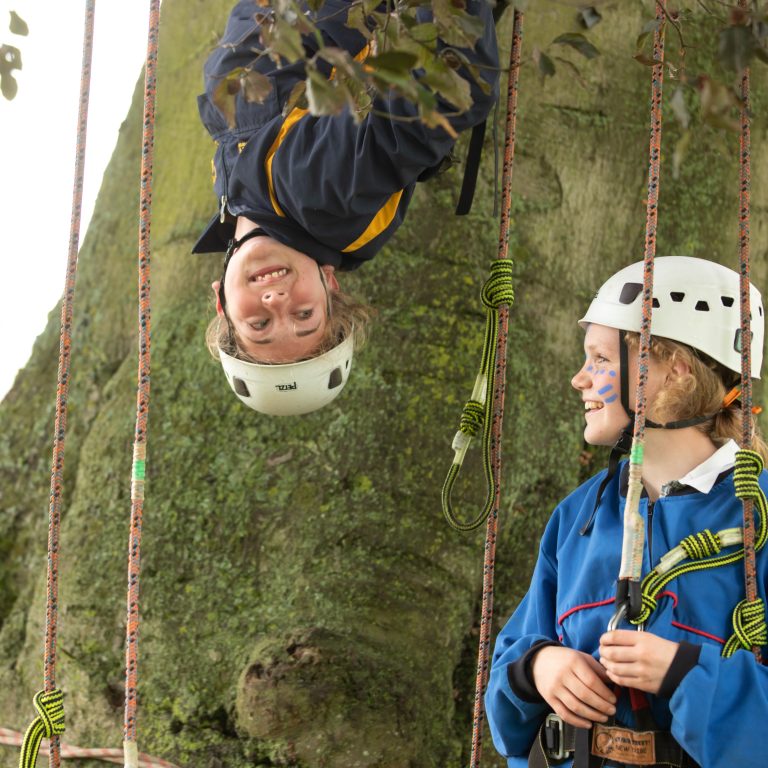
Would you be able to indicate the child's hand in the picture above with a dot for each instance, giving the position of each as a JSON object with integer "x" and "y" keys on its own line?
{"x": 574, "y": 685}
{"x": 636, "y": 659}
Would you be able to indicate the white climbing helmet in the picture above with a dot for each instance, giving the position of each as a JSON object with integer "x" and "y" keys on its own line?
{"x": 695, "y": 302}
{"x": 291, "y": 389}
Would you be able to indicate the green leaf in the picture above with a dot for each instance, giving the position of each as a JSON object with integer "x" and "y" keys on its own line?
{"x": 324, "y": 97}
{"x": 589, "y": 17}
{"x": 18, "y": 25}
{"x": 761, "y": 54}
{"x": 255, "y": 86}
{"x": 297, "y": 98}
{"x": 449, "y": 84}
{"x": 356, "y": 19}
{"x": 225, "y": 95}
{"x": 579, "y": 43}
{"x": 424, "y": 33}
{"x": 283, "y": 41}
{"x": 736, "y": 47}
{"x": 394, "y": 61}
{"x": 545, "y": 65}
{"x": 681, "y": 150}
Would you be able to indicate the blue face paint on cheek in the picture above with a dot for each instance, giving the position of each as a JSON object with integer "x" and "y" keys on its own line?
{"x": 589, "y": 369}
{"x": 611, "y": 398}
{"x": 611, "y": 373}
{"x": 606, "y": 388}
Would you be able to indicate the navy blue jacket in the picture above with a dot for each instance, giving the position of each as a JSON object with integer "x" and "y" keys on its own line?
{"x": 720, "y": 704}
{"x": 325, "y": 186}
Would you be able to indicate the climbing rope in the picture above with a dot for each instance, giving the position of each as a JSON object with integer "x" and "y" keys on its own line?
{"x": 142, "y": 398}
{"x": 49, "y": 723}
{"x": 13, "y": 738}
{"x": 628, "y": 587}
{"x": 485, "y": 409}
{"x": 750, "y": 568}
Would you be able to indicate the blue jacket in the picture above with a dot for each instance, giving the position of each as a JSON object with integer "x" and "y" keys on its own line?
{"x": 326, "y": 186}
{"x": 719, "y": 709}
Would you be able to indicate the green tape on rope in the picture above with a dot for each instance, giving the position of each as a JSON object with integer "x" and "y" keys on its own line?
{"x": 139, "y": 469}
{"x": 636, "y": 454}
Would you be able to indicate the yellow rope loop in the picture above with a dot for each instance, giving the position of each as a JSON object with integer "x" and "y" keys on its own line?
{"x": 648, "y": 607}
{"x": 749, "y": 628}
{"x": 702, "y": 544}
{"x": 498, "y": 288}
{"x": 749, "y": 465}
{"x": 471, "y": 418}
{"x": 49, "y": 722}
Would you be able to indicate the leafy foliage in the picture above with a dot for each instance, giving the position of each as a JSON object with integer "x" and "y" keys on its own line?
{"x": 10, "y": 57}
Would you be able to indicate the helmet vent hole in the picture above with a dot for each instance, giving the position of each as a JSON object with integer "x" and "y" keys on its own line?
{"x": 760, "y": 310}
{"x": 676, "y": 296}
{"x": 702, "y": 306}
{"x": 656, "y": 304}
{"x": 629, "y": 292}
{"x": 727, "y": 301}
{"x": 346, "y": 365}
{"x": 335, "y": 379}
{"x": 240, "y": 387}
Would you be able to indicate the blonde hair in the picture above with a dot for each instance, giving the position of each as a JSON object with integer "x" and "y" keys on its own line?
{"x": 348, "y": 317}
{"x": 699, "y": 393}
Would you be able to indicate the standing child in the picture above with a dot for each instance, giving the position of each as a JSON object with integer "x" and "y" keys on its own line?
{"x": 302, "y": 197}
{"x": 556, "y": 670}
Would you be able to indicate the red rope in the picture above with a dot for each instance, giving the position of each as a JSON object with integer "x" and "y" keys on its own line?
{"x": 750, "y": 568}
{"x": 62, "y": 392}
{"x": 142, "y": 398}
{"x": 486, "y": 616}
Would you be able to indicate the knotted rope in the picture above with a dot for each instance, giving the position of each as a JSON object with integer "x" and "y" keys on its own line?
{"x": 48, "y": 723}
{"x": 486, "y": 406}
{"x": 62, "y": 397}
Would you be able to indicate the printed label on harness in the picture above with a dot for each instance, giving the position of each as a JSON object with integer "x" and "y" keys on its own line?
{"x": 624, "y": 745}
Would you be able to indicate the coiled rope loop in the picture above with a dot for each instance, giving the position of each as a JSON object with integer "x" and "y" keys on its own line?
{"x": 703, "y": 544}
{"x": 749, "y": 628}
{"x": 702, "y": 548}
{"x": 49, "y": 722}
{"x": 497, "y": 292}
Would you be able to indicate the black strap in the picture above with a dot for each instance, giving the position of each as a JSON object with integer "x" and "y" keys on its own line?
{"x": 471, "y": 168}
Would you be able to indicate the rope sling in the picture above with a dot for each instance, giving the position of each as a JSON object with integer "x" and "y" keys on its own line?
{"x": 636, "y": 600}
{"x": 49, "y": 723}
{"x": 485, "y": 409}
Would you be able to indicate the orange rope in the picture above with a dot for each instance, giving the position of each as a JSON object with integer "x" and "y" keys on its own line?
{"x": 142, "y": 397}
{"x": 486, "y": 616}
{"x": 750, "y": 575}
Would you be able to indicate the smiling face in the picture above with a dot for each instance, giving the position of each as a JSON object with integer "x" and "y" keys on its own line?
{"x": 276, "y": 300}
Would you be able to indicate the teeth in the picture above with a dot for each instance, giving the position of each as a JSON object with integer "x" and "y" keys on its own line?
{"x": 276, "y": 273}
{"x": 592, "y": 405}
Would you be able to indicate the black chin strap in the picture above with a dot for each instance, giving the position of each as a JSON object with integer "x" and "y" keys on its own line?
{"x": 232, "y": 246}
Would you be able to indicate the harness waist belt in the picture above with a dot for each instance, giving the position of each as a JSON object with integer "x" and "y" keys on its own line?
{"x": 605, "y": 745}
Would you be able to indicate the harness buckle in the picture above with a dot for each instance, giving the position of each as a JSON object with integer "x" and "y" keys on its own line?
{"x": 554, "y": 737}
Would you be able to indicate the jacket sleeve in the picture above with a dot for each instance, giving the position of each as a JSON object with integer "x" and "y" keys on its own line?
{"x": 719, "y": 709}
{"x": 514, "y": 721}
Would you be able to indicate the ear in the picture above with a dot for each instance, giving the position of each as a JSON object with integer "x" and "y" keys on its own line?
{"x": 679, "y": 368}
{"x": 330, "y": 277}
{"x": 219, "y": 309}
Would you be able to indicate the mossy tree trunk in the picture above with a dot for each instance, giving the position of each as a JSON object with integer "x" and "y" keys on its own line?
{"x": 303, "y": 601}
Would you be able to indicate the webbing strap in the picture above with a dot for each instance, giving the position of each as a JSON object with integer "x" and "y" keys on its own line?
{"x": 471, "y": 169}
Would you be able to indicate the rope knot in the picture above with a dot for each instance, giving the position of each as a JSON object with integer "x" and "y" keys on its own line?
{"x": 472, "y": 417}
{"x": 49, "y": 722}
{"x": 648, "y": 607}
{"x": 749, "y": 465}
{"x": 748, "y": 626}
{"x": 702, "y": 544}
{"x": 498, "y": 288}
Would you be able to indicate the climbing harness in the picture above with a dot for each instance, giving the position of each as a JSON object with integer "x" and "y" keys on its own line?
{"x": 49, "y": 703}
{"x": 486, "y": 406}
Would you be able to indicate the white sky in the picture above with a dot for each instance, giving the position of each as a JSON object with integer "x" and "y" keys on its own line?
{"x": 37, "y": 149}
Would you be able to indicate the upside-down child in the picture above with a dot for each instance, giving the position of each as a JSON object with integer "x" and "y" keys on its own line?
{"x": 302, "y": 198}
{"x": 556, "y": 671}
